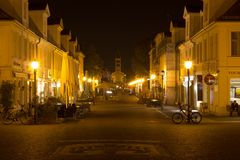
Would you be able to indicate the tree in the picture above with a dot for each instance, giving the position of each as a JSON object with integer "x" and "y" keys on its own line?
{"x": 140, "y": 58}
{"x": 92, "y": 62}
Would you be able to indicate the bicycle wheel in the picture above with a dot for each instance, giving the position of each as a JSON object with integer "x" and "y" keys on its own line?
{"x": 177, "y": 118}
{"x": 196, "y": 117}
{"x": 7, "y": 118}
{"x": 23, "y": 117}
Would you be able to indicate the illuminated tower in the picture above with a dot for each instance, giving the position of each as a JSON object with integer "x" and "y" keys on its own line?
{"x": 117, "y": 64}
{"x": 118, "y": 76}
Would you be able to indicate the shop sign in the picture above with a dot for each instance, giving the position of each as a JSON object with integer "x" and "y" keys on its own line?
{"x": 234, "y": 72}
{"x": 209, "y": 79}
{"x": 17, "y": 65}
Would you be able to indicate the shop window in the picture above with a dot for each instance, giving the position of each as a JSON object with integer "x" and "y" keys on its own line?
{"x": 235, "y": 90}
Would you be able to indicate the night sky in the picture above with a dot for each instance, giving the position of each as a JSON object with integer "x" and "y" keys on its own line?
{"x": 116, "y": 25}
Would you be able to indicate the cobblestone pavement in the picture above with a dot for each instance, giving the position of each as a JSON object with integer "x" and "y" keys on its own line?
{"x": 118, "y": 131}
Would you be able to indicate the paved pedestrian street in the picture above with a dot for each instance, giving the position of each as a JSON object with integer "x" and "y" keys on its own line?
{"x": 121, "y": 131}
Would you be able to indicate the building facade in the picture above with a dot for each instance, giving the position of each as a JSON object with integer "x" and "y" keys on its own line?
{"x": 214, "y": 51}
{"x": 163, "y": 77}
{"x": 29, "y": 33}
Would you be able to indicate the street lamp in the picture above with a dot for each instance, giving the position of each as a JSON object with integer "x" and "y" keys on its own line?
{"x": 35, "y": 66}
{"x": 188, "y": 65}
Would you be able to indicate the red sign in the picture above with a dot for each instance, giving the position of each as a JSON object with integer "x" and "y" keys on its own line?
{"x": 209, "y": 79}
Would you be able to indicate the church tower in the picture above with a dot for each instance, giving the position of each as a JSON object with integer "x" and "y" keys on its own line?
{"x": 117, "y": 64}
{"x": 118, "y": 76}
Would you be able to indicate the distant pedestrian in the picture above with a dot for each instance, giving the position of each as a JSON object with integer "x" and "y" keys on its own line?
{"x": 234, "y": 107}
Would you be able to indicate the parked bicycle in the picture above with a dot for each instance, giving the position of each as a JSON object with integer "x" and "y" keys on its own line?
{"x": 10, "y": 115}
{"x": 194, "y": 116}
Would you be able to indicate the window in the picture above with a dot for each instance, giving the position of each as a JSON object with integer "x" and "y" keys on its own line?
{"x": 211, "y": 48}
{"x": 215, "y": 46}
{"x": 197, "y": 53}
{"x": 200, "y": 52}
{"x": 199, "y": 88}
{"x": 194, "y": 52}
{"x": 25, "y": 49}
{"x": 205, "y": 50}
{"x": 235, "y": 44}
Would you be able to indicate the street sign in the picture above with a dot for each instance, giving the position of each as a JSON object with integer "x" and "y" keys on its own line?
{"x": 209, "y": 79}
{"x": 185, "y": 84}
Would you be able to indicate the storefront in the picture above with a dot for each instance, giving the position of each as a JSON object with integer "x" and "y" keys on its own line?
{"x": 235, "y": 90}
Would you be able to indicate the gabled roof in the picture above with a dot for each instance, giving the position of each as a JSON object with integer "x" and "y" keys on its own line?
{"x": 232, "y": 14}
{"x": 5, "y": 16}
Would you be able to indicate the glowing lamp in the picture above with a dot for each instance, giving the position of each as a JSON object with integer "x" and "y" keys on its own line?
{"x": 188, "y": 64}
{"x": 35, "y": 64}
{"x": 153, "y": 76}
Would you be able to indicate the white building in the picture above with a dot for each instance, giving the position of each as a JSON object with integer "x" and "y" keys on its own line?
{"x": 214, "y": 50}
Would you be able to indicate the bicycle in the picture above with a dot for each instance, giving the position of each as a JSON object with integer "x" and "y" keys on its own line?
{"x": 10, "y": 115}
{"x": 194, "y": 116}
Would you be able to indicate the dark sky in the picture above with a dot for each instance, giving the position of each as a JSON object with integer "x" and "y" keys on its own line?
{"x": 116, "y": 25}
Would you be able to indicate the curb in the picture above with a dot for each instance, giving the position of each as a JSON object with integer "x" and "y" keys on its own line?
{"x": 206, "y": 119}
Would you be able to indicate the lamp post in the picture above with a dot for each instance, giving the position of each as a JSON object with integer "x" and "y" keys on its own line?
{"x": 162, "y": 74}
{"x": 35, "y": 66}
{"x": 188, "y": 65}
